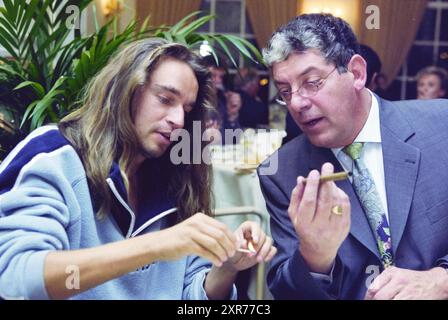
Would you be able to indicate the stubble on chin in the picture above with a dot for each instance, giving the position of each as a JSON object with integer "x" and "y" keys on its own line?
{"x": 150, "y": 153}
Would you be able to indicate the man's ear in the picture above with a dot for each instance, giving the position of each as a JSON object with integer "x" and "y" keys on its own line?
{"x": 358, "y": 67}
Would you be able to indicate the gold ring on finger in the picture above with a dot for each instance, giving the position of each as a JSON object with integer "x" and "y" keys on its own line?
{"x": 337, "y": 210}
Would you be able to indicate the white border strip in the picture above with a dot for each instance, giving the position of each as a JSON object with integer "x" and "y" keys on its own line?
{"x": 37, "y": 158}
{"x": 23, "y": 143}
{"x": 152, "y": 220}
{"x": 118, "y": 196}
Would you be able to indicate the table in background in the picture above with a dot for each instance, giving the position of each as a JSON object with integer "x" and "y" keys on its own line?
{"x": 238, "y": 198}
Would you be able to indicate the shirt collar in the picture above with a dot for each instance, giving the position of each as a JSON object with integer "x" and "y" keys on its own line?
{"x": 153, "y": 197}
{"x": 115, "y": 175}
{"x": 371, "y": 131}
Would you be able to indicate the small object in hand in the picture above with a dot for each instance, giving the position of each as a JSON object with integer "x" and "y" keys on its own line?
{"x": 250, "y": 249}
{"x": 333, "y": 177}
{"x": 244, "y": 250}
{"x": 337, "y": 210}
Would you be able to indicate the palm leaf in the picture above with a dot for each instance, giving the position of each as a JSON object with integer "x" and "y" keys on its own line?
{"x": 196, "y": 24}
{"x": 174, "y": 29}
{"x": 226, "y": 50}
{"x": 36, "y": 110}
{"x": 241, "y": 44}
{"x": 38, "y": 88}
{"x": 184, "y": 32}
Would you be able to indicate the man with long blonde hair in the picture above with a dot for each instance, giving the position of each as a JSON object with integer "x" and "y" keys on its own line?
{"x": 95, "y": 209}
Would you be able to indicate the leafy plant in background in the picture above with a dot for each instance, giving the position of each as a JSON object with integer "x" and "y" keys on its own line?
{"x": 50, "y": 61}
{"x": 184, "y": 32}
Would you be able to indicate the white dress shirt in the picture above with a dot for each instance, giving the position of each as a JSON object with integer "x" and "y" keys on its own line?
{"x": 372, "y": 153}
{"x": 372, "y": 156}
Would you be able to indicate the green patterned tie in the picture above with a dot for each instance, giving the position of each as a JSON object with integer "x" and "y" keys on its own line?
{"x": 371, "y": 202}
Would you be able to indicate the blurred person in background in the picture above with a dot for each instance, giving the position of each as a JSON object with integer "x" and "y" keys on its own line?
{"x": 432, "y": 83}
{"x": 373, "y": 66}
{"x": 254, "y": 113}
{"x": 381, "y": 85}
{"x": 228, "y": 101}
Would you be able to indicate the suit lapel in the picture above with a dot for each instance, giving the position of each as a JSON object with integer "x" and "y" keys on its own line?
{"x": 401, "y": 162}
{"x": 359, "y": 228}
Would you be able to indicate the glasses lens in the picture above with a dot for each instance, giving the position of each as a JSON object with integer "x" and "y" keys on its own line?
{"x": 309, "y": 89}
{"x": 285, "y": 95}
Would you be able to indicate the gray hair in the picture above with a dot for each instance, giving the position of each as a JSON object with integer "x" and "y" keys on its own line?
{"x": 330, "y": 35}
{"x": 439, "y": 72}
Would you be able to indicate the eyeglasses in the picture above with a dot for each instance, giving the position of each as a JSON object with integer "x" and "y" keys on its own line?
{"x": 306, "y": 90}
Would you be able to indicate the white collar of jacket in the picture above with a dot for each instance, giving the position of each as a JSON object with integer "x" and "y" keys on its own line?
{"x": 156, "y": 204}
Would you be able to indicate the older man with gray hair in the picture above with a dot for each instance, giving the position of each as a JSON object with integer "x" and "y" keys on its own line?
{"x": 381, "y": 234}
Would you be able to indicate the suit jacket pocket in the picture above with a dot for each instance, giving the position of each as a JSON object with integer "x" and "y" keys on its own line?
{"x": 438, "y": 211}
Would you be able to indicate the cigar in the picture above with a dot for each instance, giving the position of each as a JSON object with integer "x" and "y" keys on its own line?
{"x": 244, "y": 250}
{"x": 250, "y": 249}
{"x": 334, "y": 177}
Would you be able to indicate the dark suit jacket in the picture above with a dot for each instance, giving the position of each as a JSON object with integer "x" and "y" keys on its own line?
{"x": 415, "y": 151}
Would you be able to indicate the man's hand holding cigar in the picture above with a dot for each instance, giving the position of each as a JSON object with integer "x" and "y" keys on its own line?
{"x": 320, "y": 213}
